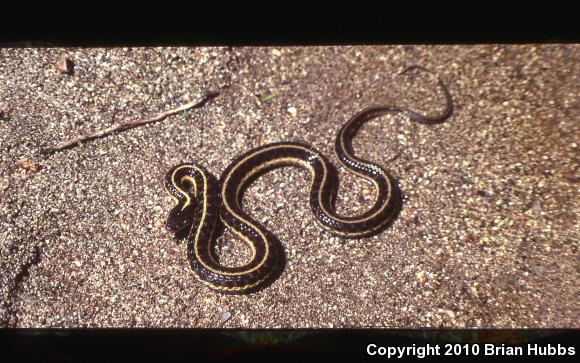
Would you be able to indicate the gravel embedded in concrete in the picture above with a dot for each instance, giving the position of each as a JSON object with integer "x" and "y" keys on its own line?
{"x": 487, "y": 236}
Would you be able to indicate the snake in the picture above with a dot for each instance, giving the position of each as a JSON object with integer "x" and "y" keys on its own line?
{"x": 202, "y": 202}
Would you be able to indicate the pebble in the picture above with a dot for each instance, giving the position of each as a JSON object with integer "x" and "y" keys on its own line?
{"x": 65, "y": 65}
{"x": 225, "y": 316}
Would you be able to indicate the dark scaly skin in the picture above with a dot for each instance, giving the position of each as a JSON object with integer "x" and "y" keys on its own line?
{"x": 210, "y": 200}
{"x": 201, "y": 228}
{"x": 322, "y": 190}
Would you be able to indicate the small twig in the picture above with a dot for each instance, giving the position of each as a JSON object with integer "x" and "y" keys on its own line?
{"x": 129, "y": 125}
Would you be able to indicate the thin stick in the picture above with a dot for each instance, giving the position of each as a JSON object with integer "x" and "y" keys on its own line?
{"x": 129, "y": 124}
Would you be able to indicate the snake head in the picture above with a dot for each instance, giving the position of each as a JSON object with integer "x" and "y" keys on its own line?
{"x": 180, "y": 220}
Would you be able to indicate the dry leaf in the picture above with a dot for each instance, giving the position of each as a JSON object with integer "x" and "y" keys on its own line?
{"x": 28, "y": 166}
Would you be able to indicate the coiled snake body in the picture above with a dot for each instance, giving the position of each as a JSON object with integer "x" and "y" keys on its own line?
{"x": 201, "y": 200}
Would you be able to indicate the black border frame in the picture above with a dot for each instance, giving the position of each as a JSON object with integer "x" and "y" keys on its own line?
{"x": 157, "y": 23}
{"x": 160, "y": 23}
{"x": 146, "y": 345}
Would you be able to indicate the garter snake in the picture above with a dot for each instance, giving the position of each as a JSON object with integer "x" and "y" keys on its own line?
{"x": 201, "y": 200}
